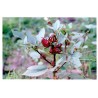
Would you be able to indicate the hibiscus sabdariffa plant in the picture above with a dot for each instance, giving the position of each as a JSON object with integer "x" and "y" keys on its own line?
{"x": 65, "y": 48}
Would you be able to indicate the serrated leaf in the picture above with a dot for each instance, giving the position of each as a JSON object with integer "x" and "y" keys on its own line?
{"x": 31, "y": 39}
{"x": 18, "y": 34}
{"x": 41, "y": 35}
{"x": 36, "y": 70}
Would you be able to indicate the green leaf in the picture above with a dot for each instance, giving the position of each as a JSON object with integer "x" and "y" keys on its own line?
{"x": 18, "y": 34}
{"x": 36, "y": 70}
{"x": 31, "y": 39}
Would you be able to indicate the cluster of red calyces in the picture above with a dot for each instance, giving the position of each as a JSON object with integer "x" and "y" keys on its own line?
{"x": 56, "y": 49}
{"x": 52, "y": 42}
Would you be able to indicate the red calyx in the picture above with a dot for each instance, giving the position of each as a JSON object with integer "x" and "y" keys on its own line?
{"x": 58, "y": 46}
{"x": 52, "y": 38}
{"x": 56, "y": 49}
{"x": 45, "y": 42}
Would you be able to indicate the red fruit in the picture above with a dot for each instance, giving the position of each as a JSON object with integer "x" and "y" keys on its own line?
{"x": 45, "y": 42}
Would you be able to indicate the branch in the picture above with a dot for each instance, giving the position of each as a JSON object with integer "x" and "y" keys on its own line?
{"x": 54, "y": 55}
{"x": 59, "y": 67}
{"x": 42, "y": 55}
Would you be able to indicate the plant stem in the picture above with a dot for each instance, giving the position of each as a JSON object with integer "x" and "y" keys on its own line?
{"x": 55, "y": 71}
{"x": 54, "y": 55}
{"x": 42, "y": 55}
{"x": 60, "y": 67}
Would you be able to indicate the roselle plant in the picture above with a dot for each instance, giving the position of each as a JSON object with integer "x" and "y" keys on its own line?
{"x": 61, "y": 46}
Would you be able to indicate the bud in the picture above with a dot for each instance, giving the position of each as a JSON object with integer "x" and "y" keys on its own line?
{"x": 45, "y": 42}
{"x": 49, "y": 23}
{"x": 67, "y": 42}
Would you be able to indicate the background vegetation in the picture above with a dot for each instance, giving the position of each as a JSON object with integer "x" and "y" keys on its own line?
{"x": 15, "y": 61}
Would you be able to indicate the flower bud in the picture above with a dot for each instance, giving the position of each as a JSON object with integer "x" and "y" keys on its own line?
{"x": 50, "y": 23}
{"x": 67, "y": 42}
{"x": 45, "y": 42}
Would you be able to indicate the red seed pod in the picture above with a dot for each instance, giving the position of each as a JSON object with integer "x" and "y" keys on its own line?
{"x": 45, "y": 42}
